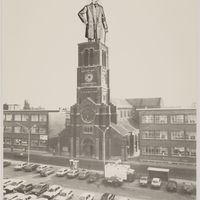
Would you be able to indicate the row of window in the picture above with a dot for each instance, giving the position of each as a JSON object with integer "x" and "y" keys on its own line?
{"x": 24, "y": 142}
{"x": 25, "y": 117}
{"x": 163, "y": 135}
{"x": 19, "y": 129}
{"x": 125, "y": 113}
{"x": 175, "y": 151}
{"x": 173, "y": 119}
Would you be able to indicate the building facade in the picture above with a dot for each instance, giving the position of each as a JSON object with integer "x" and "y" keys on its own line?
{"x": 168, "y": 134}
{"x": 19, "y": 123}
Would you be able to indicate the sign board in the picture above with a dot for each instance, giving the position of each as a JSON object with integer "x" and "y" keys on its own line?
{"x": 43, "y": 137}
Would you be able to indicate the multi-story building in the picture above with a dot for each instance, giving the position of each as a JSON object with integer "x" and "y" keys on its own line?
{"x": 19, "y": 122}
{"x": 168, "y": 134}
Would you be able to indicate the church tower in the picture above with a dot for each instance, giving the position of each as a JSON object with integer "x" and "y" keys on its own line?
{"x": 93, "y": 112}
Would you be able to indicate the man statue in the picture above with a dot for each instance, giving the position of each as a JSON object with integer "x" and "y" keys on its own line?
{"x": 93, "y": 17}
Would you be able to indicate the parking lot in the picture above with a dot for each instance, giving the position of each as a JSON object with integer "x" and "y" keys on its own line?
{"x": 131, "y": 190}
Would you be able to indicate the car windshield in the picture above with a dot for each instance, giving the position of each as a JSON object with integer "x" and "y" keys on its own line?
{"x": 51, "y": 190}
{"x": 14, "y": 183}
{"x": 38, "y": 186}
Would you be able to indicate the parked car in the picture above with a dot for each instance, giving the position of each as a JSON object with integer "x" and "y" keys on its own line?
{"x": 6, "y": 163}
{"x": 73, "y": 173}
{"x": 39, "y": 189}
{"x": 171, "y": 186}
{"x": 24, "y": 188}
{"x": 83, "y": 174}
{"x": 156, "y": 183}
{"x": 12, "y": 196}
{"x": 47, "y": 171}
{"x": 93, "y": 176}
{"x": 86, "y": 196}
{"x": 188, "y": 187}
{"x": 41, "y": 167}
{"x": 30, "y": 167}
{"x": 20, "y": 166}
{"x": 114, "y": 181}
{"x": 108, "y": 196}
{"x": 53, "y": 191}
{"x": 62, "y": 172}
{"x": 65, "y": 195}
{"x": 144, "y": 180}
{"x": 7, "y": 181}
{"x": 15, "y": 183}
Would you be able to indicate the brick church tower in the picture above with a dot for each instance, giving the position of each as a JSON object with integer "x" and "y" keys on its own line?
{"x": 93, "y": 113}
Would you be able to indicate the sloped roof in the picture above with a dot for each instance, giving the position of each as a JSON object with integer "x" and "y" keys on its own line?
{"x": 123, "y": 127}
{"x": 145, "y": 102}
{"x": 121, "y": 103}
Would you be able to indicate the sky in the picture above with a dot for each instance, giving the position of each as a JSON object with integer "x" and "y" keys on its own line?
{"x": 152, "y": 50}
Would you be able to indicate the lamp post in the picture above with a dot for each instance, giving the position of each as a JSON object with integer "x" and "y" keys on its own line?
{"x": 104, "y": 145}
{"x": 28, "y": 129}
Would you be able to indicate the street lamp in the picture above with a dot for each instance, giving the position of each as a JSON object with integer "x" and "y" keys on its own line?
{"x": 28, "y": 129}
{"x": 104, "y": 145}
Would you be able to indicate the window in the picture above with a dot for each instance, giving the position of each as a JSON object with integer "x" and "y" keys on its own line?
{"x": 34, "y": 130}
{"x": 42, "y": 130}
{"x": 190, "y": 135}
{"x": 8, "y": 117}
{"x": 161, "y": 119}
{"x": 178, "y": 151}
{"x": 88, "y": 129}
{"x": 25, "y": 118}
{"x": 34, "y": 118}
{"x": 43, "y": 118}
{"x": 7, "y": 141}
{"x": 159, "y": 151}
{"x": 17, "y": 117}
{"x": 34, "y": 143}
{"x": 124, "y": 113}
{"x": 154, "y": 135}
{"x": 43, "y": 143}
{"x": 177, "y": 135}
{"x": 190, "y": 119}
{"x": 17, "y": 129}
{"x": 177, "y": 119}
{"x": 147, "y": 119}
{"x": 8, "y": 129}
{"x": 191, "y": 152}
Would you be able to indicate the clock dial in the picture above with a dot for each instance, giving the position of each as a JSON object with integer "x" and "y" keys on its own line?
{"x": 88, "y": 77}
{"x": 88, "y": 115}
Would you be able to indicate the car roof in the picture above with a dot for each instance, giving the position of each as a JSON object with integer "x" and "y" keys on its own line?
{"x": 156, "y": 179}
{"x": 54, "y": 186}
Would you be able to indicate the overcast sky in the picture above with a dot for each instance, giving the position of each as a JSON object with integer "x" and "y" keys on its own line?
{"x": 152, "y": 50}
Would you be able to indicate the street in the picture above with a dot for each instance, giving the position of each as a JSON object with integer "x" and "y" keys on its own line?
{"x": 131, "y": 190}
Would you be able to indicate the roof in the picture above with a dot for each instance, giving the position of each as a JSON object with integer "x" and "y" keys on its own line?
{"x": 121, "y": 103}
{"x": 157, "y": 169}
{"x": 168, "y": 108}
{"x": 123, "y": 127}
{"x": 145, "y": 102}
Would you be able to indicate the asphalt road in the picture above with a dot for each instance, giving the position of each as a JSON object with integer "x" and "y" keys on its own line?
{"x": 131, "y": 190}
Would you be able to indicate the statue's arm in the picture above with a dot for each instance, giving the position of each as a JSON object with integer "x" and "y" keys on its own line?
{"x": 104, "y": 21}
{"x": 82, "y": 15}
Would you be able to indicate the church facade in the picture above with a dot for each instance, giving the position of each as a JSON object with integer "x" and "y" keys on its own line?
{"x": 94, "y": 125}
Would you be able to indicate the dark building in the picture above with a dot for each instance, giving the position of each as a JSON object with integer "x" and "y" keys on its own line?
{"x": 18, "y": 123}
{"x": 168, "y": 134}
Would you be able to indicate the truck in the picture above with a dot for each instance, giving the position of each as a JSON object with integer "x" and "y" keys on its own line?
{"x": 116, "y": 173}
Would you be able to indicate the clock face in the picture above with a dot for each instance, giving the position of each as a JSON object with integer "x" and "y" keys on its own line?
{"x": 88, "y": 77}
{"x": 88, "y": 114}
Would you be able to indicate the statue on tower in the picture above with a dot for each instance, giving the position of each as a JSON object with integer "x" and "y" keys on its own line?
{"x": 93, "y": 17}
